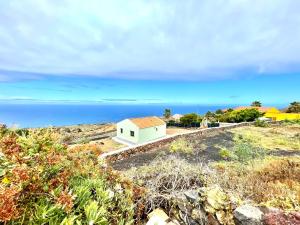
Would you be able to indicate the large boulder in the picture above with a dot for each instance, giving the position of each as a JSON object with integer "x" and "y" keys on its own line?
{"x": 248, "y": 215}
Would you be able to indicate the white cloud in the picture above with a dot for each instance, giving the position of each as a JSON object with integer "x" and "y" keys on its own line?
{"x": 150, "y": 39}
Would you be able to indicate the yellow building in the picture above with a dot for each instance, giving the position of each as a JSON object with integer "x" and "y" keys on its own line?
{"x": 282, "y": 116}
{"x": 260, "y": 109}
{"x": 272, "y": 113}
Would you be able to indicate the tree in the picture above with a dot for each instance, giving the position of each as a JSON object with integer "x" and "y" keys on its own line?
{"x": 189, "y": 119}
{"x": 294, "y": 107}
{"x": 256, "y": 104}
{"x": 209, "y": 114}
{"x": 245, "y": 115}
{"x": 219, "y": 111}
{"x": 167, "y": 113}
{"x": 212, "y": 117}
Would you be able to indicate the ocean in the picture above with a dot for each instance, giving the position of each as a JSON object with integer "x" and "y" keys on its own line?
{"x": 43, "y": 115}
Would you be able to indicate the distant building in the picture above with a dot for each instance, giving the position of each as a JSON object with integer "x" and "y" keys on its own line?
{"x": 177, "y": 117}
{"x": 140, "y": 130}
{"x": 278, "y": 116}
{"x": 272, "y": 113}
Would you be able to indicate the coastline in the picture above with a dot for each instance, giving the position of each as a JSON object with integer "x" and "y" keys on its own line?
{"x": 37, "y": 116}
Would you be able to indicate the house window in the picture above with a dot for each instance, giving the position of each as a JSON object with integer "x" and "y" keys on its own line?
{"x": 132, "y": 133}
{"x": 121, "y": 130}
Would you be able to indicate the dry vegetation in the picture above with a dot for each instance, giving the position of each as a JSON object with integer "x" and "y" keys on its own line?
{"x": 164, "y": 179}
{"x": 271, "y": 182}
{"x": 98, "y": 147}
{"x": 285, "y": 137}
{"x": 248, "y": 173}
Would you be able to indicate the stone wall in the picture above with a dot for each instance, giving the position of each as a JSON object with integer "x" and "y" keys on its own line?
{"x": 210, "y": 205}
{"x": 151, "y": 146}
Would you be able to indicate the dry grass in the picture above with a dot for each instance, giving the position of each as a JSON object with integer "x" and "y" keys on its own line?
{"x": 272, "y": 138}
{"x": 273, "y": 181}
{"x": 108, "y": 144}
{"x": 164, "y": 179}
{"x": 97, "y": 147}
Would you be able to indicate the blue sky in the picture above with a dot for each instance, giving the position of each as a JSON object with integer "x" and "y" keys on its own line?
{"x": 160, "y": 51}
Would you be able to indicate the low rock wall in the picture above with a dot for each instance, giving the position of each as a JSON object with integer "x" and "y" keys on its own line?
{"x": 210, "y": 205}
{"x": 129, "y": 151}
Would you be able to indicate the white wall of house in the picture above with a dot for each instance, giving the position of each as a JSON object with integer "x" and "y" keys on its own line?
{"x": 152, "y": 133}
{"x": 141, "y": 135}
{"x": 124, "y": 129}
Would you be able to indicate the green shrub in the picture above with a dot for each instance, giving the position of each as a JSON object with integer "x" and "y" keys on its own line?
{"x": 237, "y": 116}
{"x": 291, "y": 122}
{"x": 43, "y": 182}
{"x": 260, "y": 123}
{"x": 294, "y": 107}
{"x": 243, "y": 151}
{"x": 225, "y": 153}
{"x": 181, "y": 145}
{"x": 189, "y": 119}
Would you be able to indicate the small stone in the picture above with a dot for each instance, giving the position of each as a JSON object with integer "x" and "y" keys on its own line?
{"x": 191, "y": 195}
{"x": 248, "y": 215}
{"x": 157, "y": 217}
{"x": 199, "y": 215}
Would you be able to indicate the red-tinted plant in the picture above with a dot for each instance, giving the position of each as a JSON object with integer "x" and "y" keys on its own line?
{"x": 8, "y": 204}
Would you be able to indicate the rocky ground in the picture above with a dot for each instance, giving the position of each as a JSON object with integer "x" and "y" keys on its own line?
{"x": 95, "y": 136}
{"x": 200, "y": 186}
{"x": 205, "y": 150}
{"x": 86, "y": 132}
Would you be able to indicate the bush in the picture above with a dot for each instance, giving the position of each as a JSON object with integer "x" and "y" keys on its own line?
{"x": 260, "y": 123}
{"x": 190, "y": 119}
{"x": 243, "y": 151}
{"x": 213, "y": 124}
{"x": 44, "y": 183}
{"x": 164, "y": 178}
{"x": 181, "y": 145}
{"x": 171, "y": 123}
{"x": 225, "y": 153}
{"x": 273, "y": 182}
{"x": 294, "y": 107}
{"x": 291, "y": 122}
{"x": 237, "y": 116}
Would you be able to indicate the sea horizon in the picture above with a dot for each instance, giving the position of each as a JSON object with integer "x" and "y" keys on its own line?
{"x": 44, "y": 115}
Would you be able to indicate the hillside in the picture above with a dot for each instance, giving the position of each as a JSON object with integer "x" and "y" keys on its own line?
{"x": 202, "y": 180}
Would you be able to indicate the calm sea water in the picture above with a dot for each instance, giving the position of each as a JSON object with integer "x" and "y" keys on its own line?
{"x": 42, "y": 115}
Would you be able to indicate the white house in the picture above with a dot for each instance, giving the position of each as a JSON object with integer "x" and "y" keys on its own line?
{"x": 177, "y": 117}
{"x": 140, "y": 130}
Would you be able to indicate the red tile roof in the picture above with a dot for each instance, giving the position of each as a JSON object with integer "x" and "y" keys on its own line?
{"x": 147, "y": 121}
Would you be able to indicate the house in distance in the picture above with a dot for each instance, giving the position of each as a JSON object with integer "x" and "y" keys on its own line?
{"x": 140, "y": 130}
